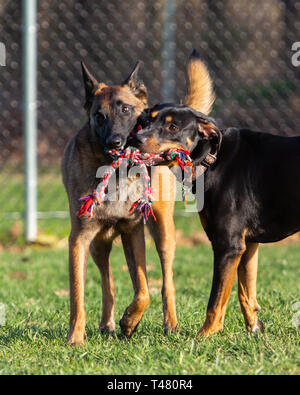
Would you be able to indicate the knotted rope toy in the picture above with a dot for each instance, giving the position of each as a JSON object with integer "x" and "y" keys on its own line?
{"x": 142, "y": 159}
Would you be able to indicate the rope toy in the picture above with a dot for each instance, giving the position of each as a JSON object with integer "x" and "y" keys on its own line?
{"x": 142, "y": 159}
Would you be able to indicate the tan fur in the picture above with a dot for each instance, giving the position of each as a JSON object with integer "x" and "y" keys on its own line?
{"x": 215, "y": 317}
{"x": 82, "y": 157}
{"x": 152, "y": 145}
{"x": 134, "y": 248}
{"x": 200, "y": 95}
{"x": 100, "y": 87}
{"x": 216, "y": 313}
{"x": 189, "y": 142}
{"x": 247, "y": 276}
{"x": 100, "y": 251}
{"x": 122, "y": 93}
{"x": 163, "y": 232}
{"x": 78, "y": 254}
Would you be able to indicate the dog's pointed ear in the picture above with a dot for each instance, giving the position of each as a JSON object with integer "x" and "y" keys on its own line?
{"x": 133, "y": 76}
{"x": 136, "y": 85}
{"x": 200, "y": 94}
{"x": 90, "y": 85}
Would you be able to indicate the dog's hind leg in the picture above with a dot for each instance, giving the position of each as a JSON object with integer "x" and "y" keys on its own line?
{"x": 134, "y": 248}
{"x": 100, "y": 251}
{"x": 247, "y": 275}
{"x": 79, "y": 243}
{"x": 227, "y": 256}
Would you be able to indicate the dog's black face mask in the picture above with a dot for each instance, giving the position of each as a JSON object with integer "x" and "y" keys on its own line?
{"x": 113, "y": 110}
{"x": 113, "y": 122}
{"x": 168, "y": 126}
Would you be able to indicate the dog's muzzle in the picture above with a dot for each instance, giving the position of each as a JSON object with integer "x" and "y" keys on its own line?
{"x": 114, "y": 142}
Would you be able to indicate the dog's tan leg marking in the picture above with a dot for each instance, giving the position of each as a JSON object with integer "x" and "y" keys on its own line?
{"x": 78, "y": 253}
{"x": 100, "y": 251}
{"x": 225, "y": 269}
{"x": 247, "y": 276}
{"x": 134, "y": 248}
{"x": 163, "y": 231}
{"x": 216, "y": 311}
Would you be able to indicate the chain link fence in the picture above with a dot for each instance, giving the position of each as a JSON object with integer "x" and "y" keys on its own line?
{"x": 247, "y": 45}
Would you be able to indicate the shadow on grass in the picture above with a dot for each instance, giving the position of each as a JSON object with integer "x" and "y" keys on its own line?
{"x": 35, "y": 333}
{"x": 31, "y": 333}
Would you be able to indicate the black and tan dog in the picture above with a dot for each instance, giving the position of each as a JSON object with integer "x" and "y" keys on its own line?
{"x": 112, "y": 114}
{"x": 251, "y": 195}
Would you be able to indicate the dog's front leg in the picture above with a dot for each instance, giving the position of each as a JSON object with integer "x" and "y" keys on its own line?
{"x": 100, "y": 251}
{"x": 134, "y": 248}
{"x": 163, "y": 232}
{"x": 79, "y": 243}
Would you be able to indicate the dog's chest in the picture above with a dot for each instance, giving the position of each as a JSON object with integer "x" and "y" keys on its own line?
{"x": 114, "y": 211}
{"x": 120, "y": 196}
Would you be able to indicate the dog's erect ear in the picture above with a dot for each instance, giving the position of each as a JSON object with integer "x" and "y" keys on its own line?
{"x": 136, "y": 86}
{"x": 200, "y": 94}
{"x": 132, "y": 78}
{"x": 90, "y": 85}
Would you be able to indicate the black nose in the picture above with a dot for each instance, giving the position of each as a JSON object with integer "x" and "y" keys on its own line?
{"x": 114, "y": 142}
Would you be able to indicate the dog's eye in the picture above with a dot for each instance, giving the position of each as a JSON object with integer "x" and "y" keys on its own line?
{"x": 125, "y": 109}
{"x": 172, "y": 127}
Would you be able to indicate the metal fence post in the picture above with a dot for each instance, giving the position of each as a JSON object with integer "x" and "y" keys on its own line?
{"x": 168, "y": 51}
{"x": 29, "y": 77}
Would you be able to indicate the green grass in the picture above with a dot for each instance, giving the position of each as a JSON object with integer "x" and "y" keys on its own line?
{"x": 51, "y": 197}
{"x": 32, "y": 285}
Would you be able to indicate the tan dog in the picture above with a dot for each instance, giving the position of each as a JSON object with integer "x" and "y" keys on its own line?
{"x": 112, "y": 114}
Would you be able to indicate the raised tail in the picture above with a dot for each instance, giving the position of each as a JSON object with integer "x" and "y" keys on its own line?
{"x": 200, "y": 94}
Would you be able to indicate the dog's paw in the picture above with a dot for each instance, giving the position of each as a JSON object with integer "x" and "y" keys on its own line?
{"x": 76, "y": 339}
{"x": 170, "y": 328}
{"x": 257, "y": 327}
{"x": 127, "y": 328}
{"x": 208, "y": 331}
{"x": 109, "y": 329}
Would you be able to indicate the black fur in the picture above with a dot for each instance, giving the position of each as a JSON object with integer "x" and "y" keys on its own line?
{"x": 252, "y": 193}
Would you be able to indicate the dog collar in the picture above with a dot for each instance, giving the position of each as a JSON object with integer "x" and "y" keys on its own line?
{"x": 211, "y": 157}
{"x": 209, "y": 160}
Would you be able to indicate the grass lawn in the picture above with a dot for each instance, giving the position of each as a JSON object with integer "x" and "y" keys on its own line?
{"x": 34, "y": 290}
{"x": 33, "y": 287}
{"x": 51, "y": 198}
